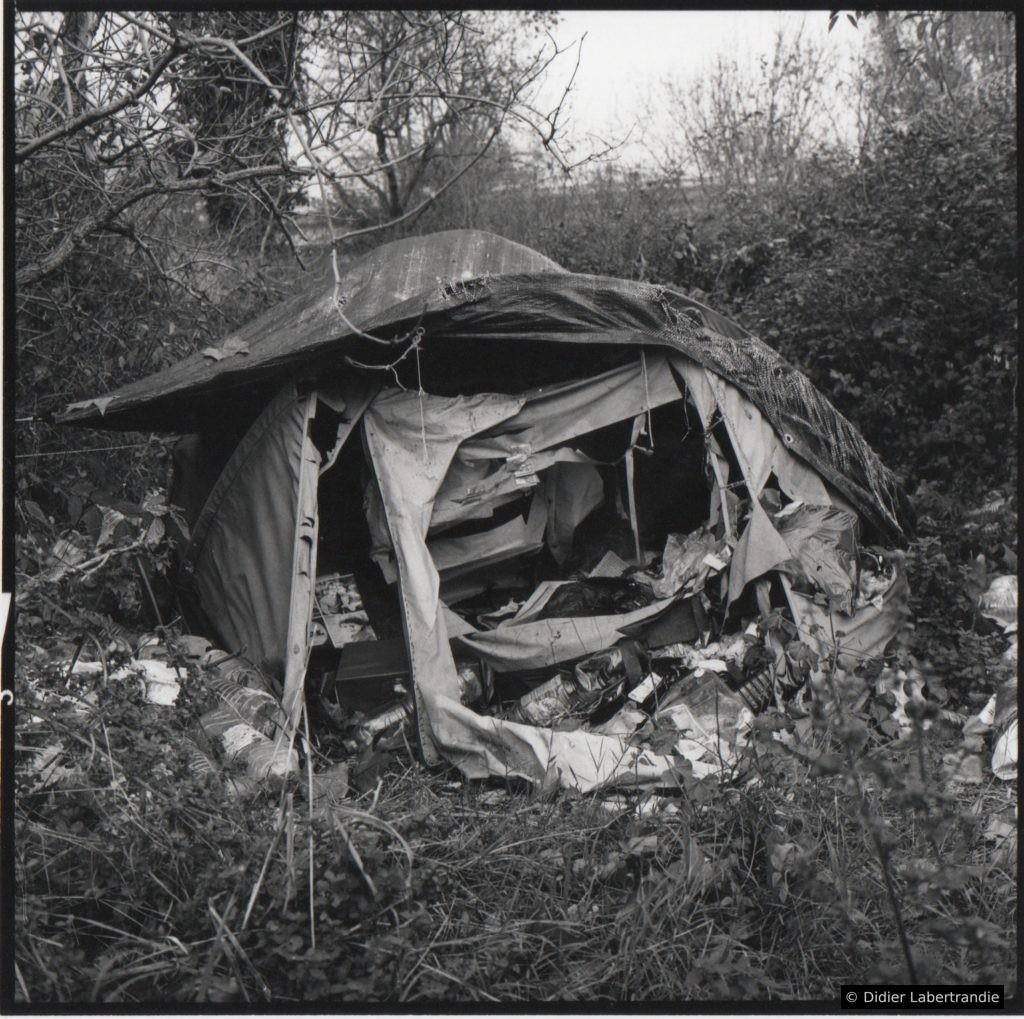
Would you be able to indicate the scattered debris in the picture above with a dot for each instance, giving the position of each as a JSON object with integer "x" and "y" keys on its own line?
{"x": 997, "y": 718}
{"x": 999, "y": 602}
{"x": 492, "y": 561}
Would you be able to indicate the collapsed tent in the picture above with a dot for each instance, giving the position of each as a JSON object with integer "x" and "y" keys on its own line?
{"x": 527, "y": 480}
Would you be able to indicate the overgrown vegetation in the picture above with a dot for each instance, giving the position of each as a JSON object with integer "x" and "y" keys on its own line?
{"x": 844, "y": 849}
{"x": 805, "y": 868}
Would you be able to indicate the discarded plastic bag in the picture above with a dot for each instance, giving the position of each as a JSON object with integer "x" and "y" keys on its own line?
{"x": 998, "y": 716}
{"x": 999, "y": 602}
{"x": 710, "y": 718}
{"x": 682, "y": 562}
{"x": 1004, "y": 754}
{"x": 595, "y": 596}
{"x": 877, "y": 574}
{"x": 1004, "y": 750}
{"x": 823, "y": 542}
{"x": 159, "y": 680}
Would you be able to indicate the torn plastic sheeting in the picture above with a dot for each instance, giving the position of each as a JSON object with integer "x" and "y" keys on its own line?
{"x": 682, "y": 622}
{"x": 514, "y": 646}
{"x": 349, "y": 398}
{"x": 807, "y": 543}
{"x": 610, "y": 565}
{"x": 505, "y": 576}
{"x": 682, "y": 562}
{"x": 454, "y": 623}
{"x": 758, "y": 446}
{"x": 303, "y": 574}
{"x": 474, "y": 489}
{"x": 760, "y": 450}
{"x": 761, "y": 548}
{"x": 556, "y": 414}
{"x": 481, "y": 746}
{"x": 863, "y": 635}
{"x": 824, "y": 544}
{"x": 711, "y": 719}
{"x": 534, "y": 604}
{"x": 471, "y": 489}
{"x": 473, "y": 551}
{"x": 382, "y": 552}
{"x": 572, "y": 492}
{"x": 411, "y": 439}
{"x": 697, "y": 385}
{"x": 999, "y": 602}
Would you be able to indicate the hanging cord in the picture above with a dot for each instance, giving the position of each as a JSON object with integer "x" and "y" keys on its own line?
{"x": 419, "y": 382}
{"x": 649, "y": 428}
{"x": 85, "y": 449}
{"x": 415, "y": 338}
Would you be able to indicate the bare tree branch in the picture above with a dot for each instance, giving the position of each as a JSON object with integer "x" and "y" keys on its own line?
{"x": 103, "y": 112}
{"x": 94, "y": 221}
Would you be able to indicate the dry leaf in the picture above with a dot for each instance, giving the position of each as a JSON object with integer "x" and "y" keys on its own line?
{"x": 100, "y": 402}
{"x": 230, "y": 348}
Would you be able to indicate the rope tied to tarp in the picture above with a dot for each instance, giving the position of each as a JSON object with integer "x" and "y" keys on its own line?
{"x": 415, "y": 337}
{"x": 419, "y": 383}
{"x": 648, "y": 428}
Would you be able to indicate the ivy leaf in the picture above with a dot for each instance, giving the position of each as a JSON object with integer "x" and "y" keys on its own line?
{"x": 155, "y": 532}
{"x": 34, "y": 511}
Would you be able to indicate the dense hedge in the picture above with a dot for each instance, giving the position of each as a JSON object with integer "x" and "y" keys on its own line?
{"x": 890, "y": 279}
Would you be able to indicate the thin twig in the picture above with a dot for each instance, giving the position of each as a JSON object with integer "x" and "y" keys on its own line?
{"x": 881, "y": 851}
{"x": 309, "y": 800}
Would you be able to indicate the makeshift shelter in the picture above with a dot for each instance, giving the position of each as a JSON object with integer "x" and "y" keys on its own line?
{"x": 457, "y": 421}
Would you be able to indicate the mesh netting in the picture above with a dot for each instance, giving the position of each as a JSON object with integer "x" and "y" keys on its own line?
{"x": 796, "y": 409}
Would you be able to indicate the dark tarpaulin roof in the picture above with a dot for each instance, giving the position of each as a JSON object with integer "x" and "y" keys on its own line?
{"x": 474, "y": 286}
{"x": 304, "y": 327}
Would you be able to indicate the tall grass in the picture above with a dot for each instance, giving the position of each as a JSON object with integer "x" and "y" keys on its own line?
{"x": 138, "y": 881}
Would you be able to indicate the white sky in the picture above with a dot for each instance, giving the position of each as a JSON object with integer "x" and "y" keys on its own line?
{"x": 627, "y": 54}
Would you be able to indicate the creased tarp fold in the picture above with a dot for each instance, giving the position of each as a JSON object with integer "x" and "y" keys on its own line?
{"x": 239, "y": 561}
{"x": 410, "y": 474}
{"x": 469, "y": 285}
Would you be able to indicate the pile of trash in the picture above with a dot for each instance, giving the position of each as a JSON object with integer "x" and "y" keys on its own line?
{"x": 681, "y": 674}
{"x": 241, "y": 738}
